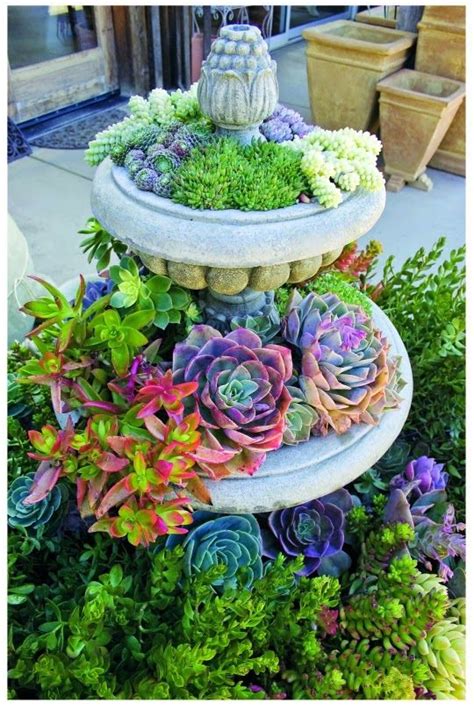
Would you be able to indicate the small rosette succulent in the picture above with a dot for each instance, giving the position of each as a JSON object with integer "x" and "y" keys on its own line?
{"x": 421, "y": 476}
{"x": 232, "y": 540}
{"x": 300, "y": 418}
{"x": 241, "y": 395}
{"x": 314, "y": 530}
{"x": 345, "y": 372}
{"x": 33, "y": 515}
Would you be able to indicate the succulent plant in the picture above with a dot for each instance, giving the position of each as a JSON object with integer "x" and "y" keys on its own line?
{"x": 265, "y": 326}
{"x": 242, "y": 397}
{"x": 163, "y": 161}
{"x": 276, "y": 130}
{"x": 132, "y": 155}
{"x": 369, "y": 484}
{"x": 96, "y": 289}
{"x": 145, "y": 179}
{"x": 422, "y": 475}
{"x": 345, "y": 371}
{"x": 284, "y": 124}
{"x": 162, "y": 185}
{"x": 226, "y": 175}
{"x": 444, "y": 651}
{"x": 438, "y": 538}
{"x": 333, "y": 282}
{"x": 232, "y": 540}
{"x": 157, "y": 293}
{"x": 134, "y": 167}
{"x": 395, "y": 459}
{"x": 314, "y": 530}
{"x": 300, "y": 418}
{"x": 33, "y": 515}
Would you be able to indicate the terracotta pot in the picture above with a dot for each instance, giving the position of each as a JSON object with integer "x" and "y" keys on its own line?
{"x": 345, "y": 60}
{"x": 416, "y": 110}
{"x": 197, "y": 54}
{"x": 376, "y": 16}
{"x": 441, "y": 50}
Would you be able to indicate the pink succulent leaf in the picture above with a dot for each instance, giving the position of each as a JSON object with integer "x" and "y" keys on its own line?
{"x": 103, "y": 406}
{"x": 114, "y": 496}
{"x": 111, "y": 463}
{"x": 44, "y": 481}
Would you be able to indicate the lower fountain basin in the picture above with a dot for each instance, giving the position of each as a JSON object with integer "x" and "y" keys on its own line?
{"x": 297, "y": 474}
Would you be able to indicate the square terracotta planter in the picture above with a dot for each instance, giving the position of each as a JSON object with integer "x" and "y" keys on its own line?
{"x": 416, "y": 110}
{"x": 441, "y": 50}
{"x": 345, "y": 60}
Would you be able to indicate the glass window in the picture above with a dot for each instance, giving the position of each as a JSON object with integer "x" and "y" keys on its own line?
{"x": 303, "y": 14}
{"x": 38, "y": 33}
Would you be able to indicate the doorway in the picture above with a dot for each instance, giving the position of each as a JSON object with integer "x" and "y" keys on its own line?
{"x": 58, "y": 55}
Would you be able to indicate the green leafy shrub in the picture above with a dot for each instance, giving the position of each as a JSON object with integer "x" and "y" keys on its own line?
{"x": 425, "y": 300}
{"x": 226, "y": 175}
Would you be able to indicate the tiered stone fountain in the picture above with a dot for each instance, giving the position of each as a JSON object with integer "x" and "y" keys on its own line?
{"x": 236, "y": 259}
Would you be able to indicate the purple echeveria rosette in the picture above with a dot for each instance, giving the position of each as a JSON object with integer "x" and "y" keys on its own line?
{"x": 241, "y": 397}
{"x": 314, "y": 530}
{"x": 421, "y": 476}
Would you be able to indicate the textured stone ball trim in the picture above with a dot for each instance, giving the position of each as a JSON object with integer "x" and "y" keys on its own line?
{"x": 230, "y": 282}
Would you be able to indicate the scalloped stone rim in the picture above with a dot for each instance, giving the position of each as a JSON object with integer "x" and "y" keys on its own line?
{"x": 226, "y": 238}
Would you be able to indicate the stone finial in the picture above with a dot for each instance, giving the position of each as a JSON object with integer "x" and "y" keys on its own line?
{"x": 238, "y": 87}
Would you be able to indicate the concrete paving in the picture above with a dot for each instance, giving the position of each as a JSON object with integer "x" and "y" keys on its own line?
{"x": 49, "y": 196}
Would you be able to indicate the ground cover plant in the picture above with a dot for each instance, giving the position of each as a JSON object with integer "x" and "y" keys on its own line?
{"x": 359, "y": 594}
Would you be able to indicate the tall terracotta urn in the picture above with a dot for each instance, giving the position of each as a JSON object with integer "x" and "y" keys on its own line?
{"x": 441, "y": 50}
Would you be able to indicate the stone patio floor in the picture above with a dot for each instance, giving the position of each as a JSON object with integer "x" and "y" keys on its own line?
{"x": 49, "y": 197}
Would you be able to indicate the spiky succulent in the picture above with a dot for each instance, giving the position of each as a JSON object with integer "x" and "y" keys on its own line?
{"x": 314, "y": 530}
{"x": 232, "y": 540}
{"x": 145, "y": 179}
{"x": 33, "y": 515}
{"x": 162, "y": 185}
{"x": 241, "y": 396}
{"x": 344, "y": 365}
{"x": 163, "y": 161}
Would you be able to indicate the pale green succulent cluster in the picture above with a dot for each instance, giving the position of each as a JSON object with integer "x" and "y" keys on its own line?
{"x": 160, "y": 109}
{"x": 443, "y": 648}
{"x": 339, "y": 161}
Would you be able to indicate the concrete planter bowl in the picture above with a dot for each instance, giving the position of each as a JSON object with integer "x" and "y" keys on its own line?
{"x": 296, "y": 474}
{"x": 229, "y": 251}
{"x": 416, "y": 110}
{"x": 441, "y": 50}
{"x": 345, "y": 60}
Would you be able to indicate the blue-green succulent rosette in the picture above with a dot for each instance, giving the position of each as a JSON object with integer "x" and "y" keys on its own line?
{"x": 232, "y": 540}
{"x": 35, "y": 515}
{"x": 314, "y": 530}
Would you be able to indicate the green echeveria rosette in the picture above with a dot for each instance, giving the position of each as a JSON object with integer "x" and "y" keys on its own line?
{"x": 345, "y": 372}
{"x": 241, "y": 395}
{"x": 31, "y": 516}
{"x": 265, "y": 326}
{"x": 231, "y": 540}
{"x": 301, "y": 418}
